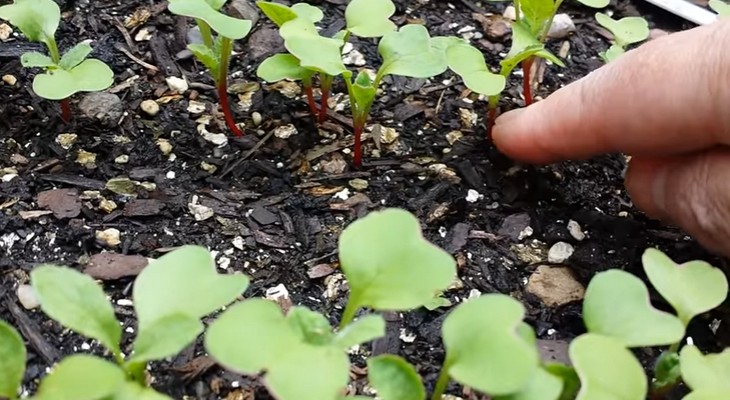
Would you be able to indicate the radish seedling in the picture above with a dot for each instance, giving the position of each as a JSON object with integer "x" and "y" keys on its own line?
{"x": 215, "y": 51}
{"x": 364, "y": 18}
{"x": 64, "y": 75}
{"x": 626, "y": 31}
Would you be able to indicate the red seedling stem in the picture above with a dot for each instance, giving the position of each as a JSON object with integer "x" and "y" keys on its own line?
{"x": 491, "y": 117}
{"x": 226, "y": 47}
{"x": 323, "y": 104}
{"x": 527, "y": 82}
{"x": 310, "y": 100}
{"x": 65, "y": 110}
{"x": 357, "y": 157}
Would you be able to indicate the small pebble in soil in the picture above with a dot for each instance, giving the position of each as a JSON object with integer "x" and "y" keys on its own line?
{"x": 199, "y": 211}
{"x": 256, "y": 118}
{"x": 122, "y": 159}
{"x": 109, "y": 237}
{"x": 104, "y": 107}
{"x": 575, "y": 230}
{"x": 285, "y": 131}
{"x": 559, "y": 252}
{"x": 196, "y": 107}
{"x": 170, "y": 175}
{"x": 18, "y": 159}
{"x": 66, "y": 140}
{"x": 358, "y": 184}
{"x": 176, "y": 84}
{"x": 5, "y": 32}
{"x": 150, "y": 107}
{"x": 85, "y": 158}
{"x": 164, "y": 146}
{"x": 554, "y": 286}
{"x": 10, "y": 79}
{"x": 472, "y": 196}
{"x": 107, "y": 205}
{"x": 27, "y": 297}
{"x": 207, "y": 167}
{"x": 453, "y": 136}
{"x": 562, "y": 26}
{"x": 343, "y": 194}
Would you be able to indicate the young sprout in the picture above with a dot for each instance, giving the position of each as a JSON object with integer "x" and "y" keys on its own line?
{"x": 720, "y": 7}
{"x": 215, "y": 51}
{"x": 626, "y": 31}
{"x": 64, "y": 75}
{"x": 12, "y": 361}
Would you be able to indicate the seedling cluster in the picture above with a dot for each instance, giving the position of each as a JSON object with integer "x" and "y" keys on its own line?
{"x": 626, "y": 31}
{"x": 389, "y": 266}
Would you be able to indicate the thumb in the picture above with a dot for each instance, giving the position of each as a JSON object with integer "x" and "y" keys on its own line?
{"x": 691, "y": 191}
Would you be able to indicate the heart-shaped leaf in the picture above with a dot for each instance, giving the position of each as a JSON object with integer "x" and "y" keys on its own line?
{"x": 280, "y": 14}
{"x": 36, "y": 19}
{"x": 165, "y": 337}
{"x": 617, "y": 304}
{"x": 595, "y": 3}
{"x": 77, "y": 302}
{"x": 370, "y": 18}
{"x": 184, "y": 282}
{"x": 388, "y": 263}
{"x": 295, "y": 369}
{"x": 704, "y": 394}
{"x": 363, "y": 330}
{"x": 81, "y": 377}
{"x": 607, "y": 370}
{"x": 691, "y": 288}
{"x": 75, "y": 56}
{"x": 308, "y": 11}
{"x": 225, "y": 25}
{"x": 282, "y": 66}
{"x": 314, "y": 51}
{"x": 33, "y": 59}
{"x": 483, "y": 347}
{"x": 12, "y": 360}
{"x": 720, "y": 7}
{"x": 133, "y": 391}
{"x": 613, "y": 52}
{"x": 409, "y": 52}
{"x": 568, "y": 377}
{"x": 394, "y": 379}
{"x": 625, "y": 31}
{"x": 90, "y": 76}
{"x": 710, "y": 372}
{"x": 468, "y": 62}
{"x": 542, "y": 386}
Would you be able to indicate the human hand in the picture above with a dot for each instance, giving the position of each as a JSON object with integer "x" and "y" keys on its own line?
{"x": 667, "y": 104}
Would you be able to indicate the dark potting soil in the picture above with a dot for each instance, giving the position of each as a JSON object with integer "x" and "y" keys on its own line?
{"x": 279, "y": 203}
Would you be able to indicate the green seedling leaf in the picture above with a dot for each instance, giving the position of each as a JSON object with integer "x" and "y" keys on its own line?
{"x": 525, "y": 44}
{"x": 370, "y": 18}
{"x": 75, "y": 56}
{"x": 225, "y": 25}
{"x": 617, "y": 304}
{"x": 537, "y": 14}
{"x": 34, "y": 59}
{"x": 363, "y": 92}
{"x": 710, "y": 372}
{"x": 395, "y": 379}
{"x": 613, "y": 52}
{"x": 77, "y": 302}
{"x": 280, "y": 14}
{"x": 468, "y": 62}
{"x": 437, "y": 302}
{"x": 314, "y": 51}
{"x": 133, "y": 391}
{"x": 206, "y": 56}
{"x": 282, "y": 66}
{"x": 36, "y": 19}
{"x": 607, "y": 370}
{"x": 89, "y": 76}
{"x": 165, "y": 337}
{"x": 720, "y": 7}
{"x": 12, "y": 360}
{"x": 295, "y": 369}
{"x": 708, "y": 395}
{"x": 666, "y": 371}
{"x": 542, "y": 386}
{"x": 216, "y": 4}
{"x": 569, "y": 378}
{"x": 410, "y": 52}
{"x": 595, "y": 3}
{"x": 363, "y": 330}
{"x": 388, "y": 263}
{"x": 184, "y": 282}
{"x": 311, "y": 327}
{"x": 691, "y": 288}
{"x": 625, "y": 31}
{"x": 308, "y": 11}
{"x": 81, "y": 377}
{"x": 483, "y": 347}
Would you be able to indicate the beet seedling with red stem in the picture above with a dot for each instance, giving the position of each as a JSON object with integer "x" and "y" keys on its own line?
{"x": 215, "y": 51}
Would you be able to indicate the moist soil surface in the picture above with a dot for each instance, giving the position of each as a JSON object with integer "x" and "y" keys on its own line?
{"x": 273, "y": 206}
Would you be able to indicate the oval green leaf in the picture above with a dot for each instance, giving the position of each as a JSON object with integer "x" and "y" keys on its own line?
{"x": 595, "y": 3}
{"x": 409, "y": 52}
{"x": 33, "y": 59}
{"x": 617, "y": 304}
{"x": 720, "y": 7}
{"x": 183, "y": 281}
{"x": 691, "y": 288}
{"x": 165, "y": 337}
{"x": 77, "y": 302}
{"x": 82, "y": 377}
{"x": 308, "y": 11}
{"x": 468, "y": 62}
{"x": 223, "y": 24}
{"x": 483, "y": 347}
{"x": 75, "y": 56}
{"x": 709, "y": 372}
{"x": 365, "y": 329}
{"x": 607, "y": 370}
{"x": 542, "y": 386}
{"x": 12, "y": 360}
{"x": 388, "y": 263}
{"x": 314, "y": 51}
{"x": 36, "y": 19}
{"x": 370, "y": 18}
{"x": 625, "y": 31}
{"x": 90, "y": 76}
{"x": 393, "y": 378}
{"x": 282, "y": 66}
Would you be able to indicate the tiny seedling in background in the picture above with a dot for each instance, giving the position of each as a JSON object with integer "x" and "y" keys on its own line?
{"x": 215, "y": 51}
{"x": 626, "y": 31}
{"x": 170, "y": 297}
{"x": 720, "y": 7}
{"x": 64, "y": 75}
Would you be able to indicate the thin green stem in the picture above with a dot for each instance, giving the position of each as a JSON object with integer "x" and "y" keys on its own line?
{"x": 442, "y": 382}
{"x": 349, "y": 314}
{"x": 206, "y": 33}
{"x": 517, "y": 10}
{"x": 674, "y": 347}
{"x": 53, "y": 49}
{"x": 546, "y": 28}
{"x": 136, "y": 371}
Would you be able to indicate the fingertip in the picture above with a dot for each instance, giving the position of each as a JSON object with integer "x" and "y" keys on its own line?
{"x": 514, "y": 135}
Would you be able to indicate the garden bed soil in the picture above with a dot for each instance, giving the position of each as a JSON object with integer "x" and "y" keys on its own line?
{"x": 279, "y": 204}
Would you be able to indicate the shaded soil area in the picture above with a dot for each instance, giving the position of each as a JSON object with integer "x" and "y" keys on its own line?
{"x": 271, "y": 203}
